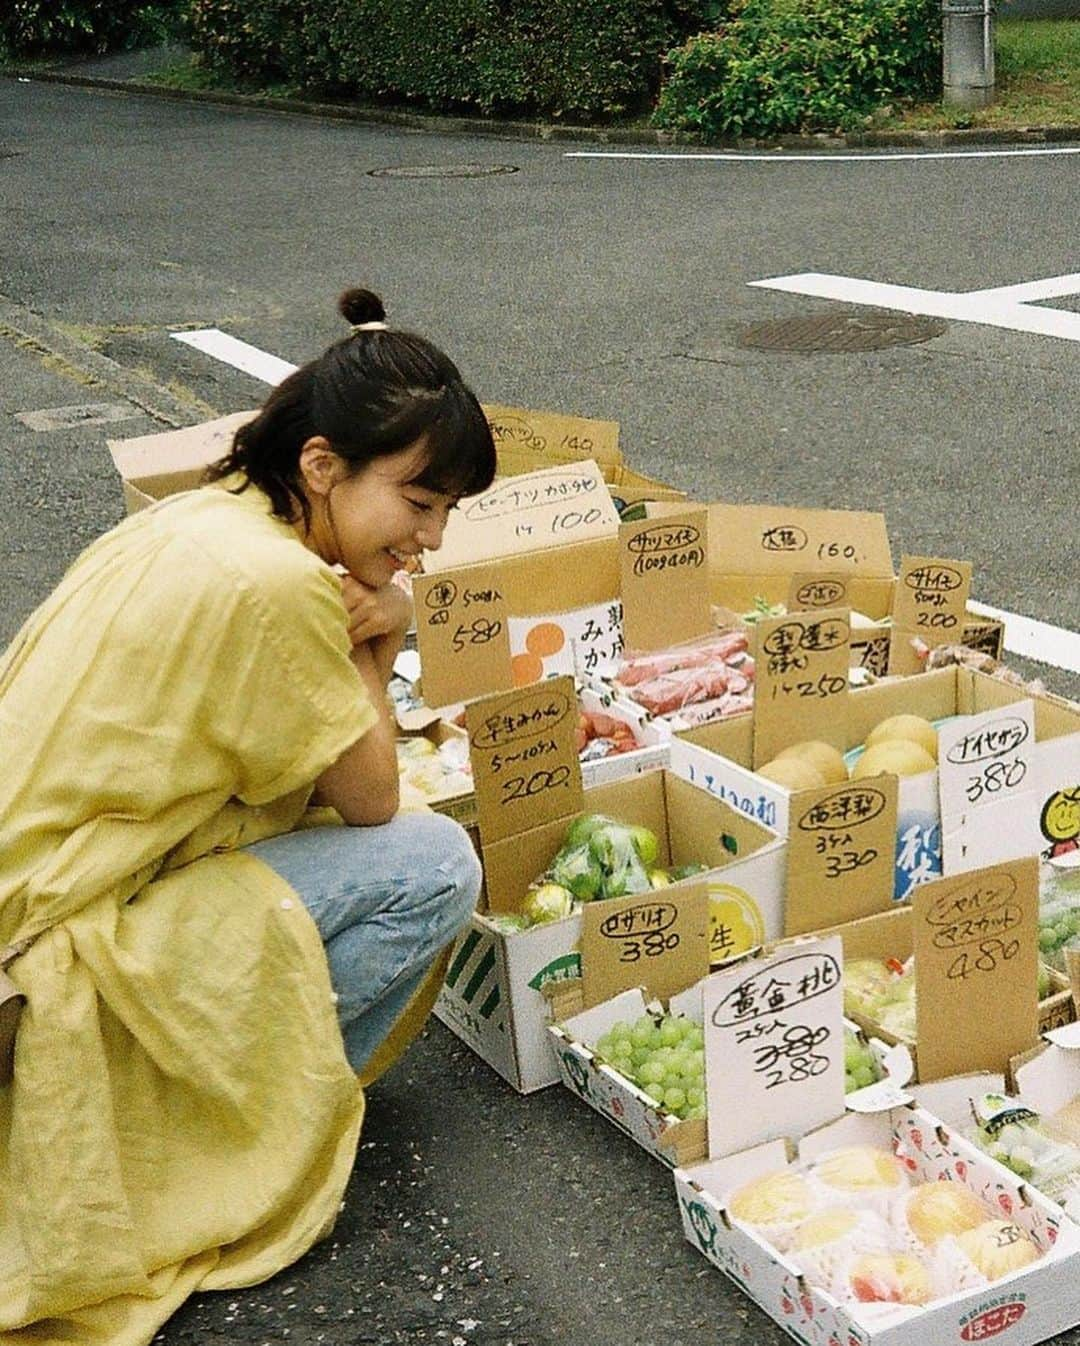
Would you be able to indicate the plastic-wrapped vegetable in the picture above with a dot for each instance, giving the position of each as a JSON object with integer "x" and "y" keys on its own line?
{"x": 604, "y": 858}
{"x": 1059, "y": 909}
{"x": 1016, "y": 1137}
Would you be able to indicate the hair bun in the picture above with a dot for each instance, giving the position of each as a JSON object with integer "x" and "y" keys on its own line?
{"x": 358, "y": 306}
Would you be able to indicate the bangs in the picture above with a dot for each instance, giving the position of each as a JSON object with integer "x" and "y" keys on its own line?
{"x": 460, "y": 445}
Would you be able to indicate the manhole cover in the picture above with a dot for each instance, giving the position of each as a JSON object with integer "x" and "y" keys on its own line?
{"x": 443, "y": 171}
{"x": 838, "y": 332}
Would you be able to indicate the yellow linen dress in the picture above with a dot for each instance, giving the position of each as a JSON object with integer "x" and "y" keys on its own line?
{"x": 182, "y": 1115}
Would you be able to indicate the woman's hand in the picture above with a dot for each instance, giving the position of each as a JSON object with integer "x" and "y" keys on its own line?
{"x": 375, "y": 613}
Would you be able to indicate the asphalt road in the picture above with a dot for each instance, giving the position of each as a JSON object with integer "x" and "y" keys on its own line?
{"x": 613, "y": 288}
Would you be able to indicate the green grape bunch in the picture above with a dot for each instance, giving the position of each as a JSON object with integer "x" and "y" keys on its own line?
{"x": 664, "y": 1056}
{"x": 860, "y": 1068}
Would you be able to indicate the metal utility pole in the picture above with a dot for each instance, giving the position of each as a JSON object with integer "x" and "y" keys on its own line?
{"x": 968, "y": 52}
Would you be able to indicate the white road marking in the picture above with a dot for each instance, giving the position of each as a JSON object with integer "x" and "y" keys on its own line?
{"x": 1034, "y": 640}
{"x": 867, "y": 157}
{"x": 1007, "y": 306}
{"x": 232, "y": 351}
{"x": 66, "y": 418}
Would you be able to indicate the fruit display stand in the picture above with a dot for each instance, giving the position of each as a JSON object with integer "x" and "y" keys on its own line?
{"x": 720, "y": 758}
{"x": 780, "y": 1113}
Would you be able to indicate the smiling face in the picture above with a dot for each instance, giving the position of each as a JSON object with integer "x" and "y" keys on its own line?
{"x": 373, "y": 520}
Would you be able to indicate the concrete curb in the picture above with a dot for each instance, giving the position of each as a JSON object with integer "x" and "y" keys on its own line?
{"x": 37, "y": 334}
{"x": 545, "y": 131}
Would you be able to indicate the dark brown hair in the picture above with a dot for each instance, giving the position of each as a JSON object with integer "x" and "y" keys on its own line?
{"x": 373, "y": 393}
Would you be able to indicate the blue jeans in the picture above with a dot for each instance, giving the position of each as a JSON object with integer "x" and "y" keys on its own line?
{"x": 385, "y": 900}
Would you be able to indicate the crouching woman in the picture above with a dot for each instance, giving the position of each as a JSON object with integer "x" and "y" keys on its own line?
{"x": 212, "y": 968}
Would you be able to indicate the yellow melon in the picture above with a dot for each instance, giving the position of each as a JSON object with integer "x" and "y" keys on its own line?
{"x": 895, "y": 756}
{"x": 826, "y": 759}
{"x": 910, "y": 728}
{"x": 794, "y": 773}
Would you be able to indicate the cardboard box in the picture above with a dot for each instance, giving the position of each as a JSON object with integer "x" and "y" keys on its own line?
{"x": 769, "y": 1110}
{"x": 494, "y": 997}
{"x": 719, "y": 757}
{"x": 154, "y": 466}
{"x": 805, "y": 558}
{"x": 1023, "y": 1308}
{"x": 667, "y": 1138}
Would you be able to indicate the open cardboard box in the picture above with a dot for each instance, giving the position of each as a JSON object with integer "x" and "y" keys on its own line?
{"x": 890, "y": 934}
{"x": 719, "y": 757}
{"x": 674, "y": 1141}
{"x": 494, "y": 995}
{"x": 152, "y": 467}
{"x": 802, "y": 1119}
{"x": 817, "y": 558}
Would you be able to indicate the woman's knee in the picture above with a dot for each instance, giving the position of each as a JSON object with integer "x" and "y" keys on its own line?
{"x": 446, "y": 858}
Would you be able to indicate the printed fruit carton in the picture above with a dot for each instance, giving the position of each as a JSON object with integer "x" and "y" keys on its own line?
{"x": 494, "y": 994}
{"x": 1025, "y": 1307}
{"x": 1043, "y": 735}
{"x": 773, "y": 1034}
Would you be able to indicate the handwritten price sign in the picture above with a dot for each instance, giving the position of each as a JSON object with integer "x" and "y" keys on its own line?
{"x": 461, "y": 634}
{"x": 976, "y": 963}
{"x": 930, "y": 604}
{"x": 659, "y": 941}
{"x": 524, "y": 760}
{"x": 664, "y": 579}
{"x": 840, "y": 854}
{"x": 986, "y": 782}
{"x": 774, "y": 1044}
{"x": 801, "y": 675}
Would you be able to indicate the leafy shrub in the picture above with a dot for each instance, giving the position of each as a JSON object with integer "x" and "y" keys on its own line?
{"x": 562, "y": 58}
{"x": 36, "y": 27}
{"x": 787, "y": 65}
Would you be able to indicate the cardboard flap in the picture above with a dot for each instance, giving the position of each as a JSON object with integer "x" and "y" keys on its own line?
{"x": 976, "y": 968}
{"x": 659, "y": 939}
{"x": 774, "y": 1045}
{"x": 774, "y": 540}
{"x": 524, "y": 758}
{"x": 930, "y": 603}
{"x": 801, "y": 681}
{"x": 532, "y": 512}
{"x": 526, "y": 440}
{"x": 462, "y": 634}
{"x": 841, "y": 853}
{"x": 664, "y": 579}
{"x": 153, "y": 461}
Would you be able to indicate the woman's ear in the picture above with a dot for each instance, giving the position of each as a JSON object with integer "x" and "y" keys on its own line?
{"x": 320, "y": 467}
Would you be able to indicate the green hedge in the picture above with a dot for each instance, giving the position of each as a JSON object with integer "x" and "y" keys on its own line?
{"x": 797, "y": 65}
{"x": 557, "y": 58}
{"x": 42, "y": 27}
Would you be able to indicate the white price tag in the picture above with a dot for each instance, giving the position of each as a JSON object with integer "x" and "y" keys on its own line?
{"x": 985, "y": 775}
{"x": 774, "y": 1045}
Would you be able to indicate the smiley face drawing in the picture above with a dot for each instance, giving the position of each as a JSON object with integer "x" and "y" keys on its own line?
{"x": 1060, "y": 822}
